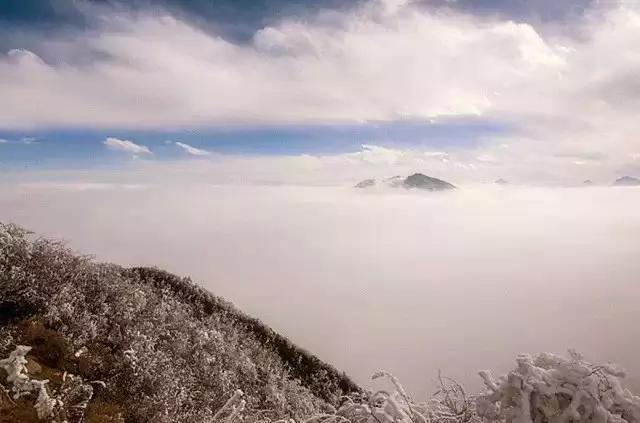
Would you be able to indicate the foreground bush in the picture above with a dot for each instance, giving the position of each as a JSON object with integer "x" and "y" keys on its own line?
{"x": 543, "y": 388}
{"x": 550, "y": 388}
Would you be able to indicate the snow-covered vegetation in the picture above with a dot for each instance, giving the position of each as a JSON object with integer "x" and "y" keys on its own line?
{"x": 66, "y": 403}
{"x": 543, "y": 388}
{"x": 166, "y": 350}
{"x": 86, "y": 341}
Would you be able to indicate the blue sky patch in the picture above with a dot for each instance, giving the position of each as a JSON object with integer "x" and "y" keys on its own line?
{"x": 86, "y": 147}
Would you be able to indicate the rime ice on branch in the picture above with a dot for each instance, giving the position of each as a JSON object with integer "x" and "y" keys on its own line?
{"x": 22, "y": 385}
{"x": 547, "y": 388}
{"x": 67, "y": 403}
{"x": 543, "y": 388}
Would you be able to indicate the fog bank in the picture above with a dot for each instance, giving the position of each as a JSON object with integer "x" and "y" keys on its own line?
{"x": 410, "y": 282}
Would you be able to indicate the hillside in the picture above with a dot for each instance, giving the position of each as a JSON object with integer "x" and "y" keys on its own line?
{"x": 165, "y": 349}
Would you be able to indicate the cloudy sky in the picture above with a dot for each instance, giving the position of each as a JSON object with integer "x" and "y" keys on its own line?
{"x": 322, "y": 91}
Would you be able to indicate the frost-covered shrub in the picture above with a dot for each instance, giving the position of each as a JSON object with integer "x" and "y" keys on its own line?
{"x": 449, "y": 405}
{"x": 67, "y": 403}
{"x": 17, "y": 377}
{"x": 543, "y": 388}
{"x": 232, "y": 410}
{"x": 550, "y": 388}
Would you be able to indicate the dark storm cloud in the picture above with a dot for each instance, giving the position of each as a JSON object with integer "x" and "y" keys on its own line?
{"x": 234, "y": 19}
{"x": 39, "y": 12}
{"x": 240, "y": 18}
{"x": 526, "y": 10}
{"x": 23, "y": 23}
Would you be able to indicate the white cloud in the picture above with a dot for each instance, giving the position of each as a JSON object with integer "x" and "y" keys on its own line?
{"x": 126, "y": 146}
{"x": 341, "y": 67}
{"x": 486, "y": 158}
{"x": 193, "y": 150}
{"x": 375, "y": 154}
{"x": 383, "y": 61}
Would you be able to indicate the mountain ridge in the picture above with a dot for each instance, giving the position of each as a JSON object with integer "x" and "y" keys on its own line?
{"x": 166, "y": 349}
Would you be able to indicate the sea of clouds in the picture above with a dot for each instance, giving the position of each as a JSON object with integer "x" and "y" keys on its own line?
{"x": 406, "y": 281}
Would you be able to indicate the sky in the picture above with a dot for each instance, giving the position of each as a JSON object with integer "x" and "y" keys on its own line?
{"x": 536, "y": 92}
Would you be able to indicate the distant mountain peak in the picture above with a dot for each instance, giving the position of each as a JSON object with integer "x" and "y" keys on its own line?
{"x": 627, "y": 181}
{"x": 416, "y": 180}
{"x": 422, "y": 181}
{"x": 501, "y": 181}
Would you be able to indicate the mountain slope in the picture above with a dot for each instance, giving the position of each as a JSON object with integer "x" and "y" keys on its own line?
{"x": 166, "y": 350}
{"x": 421, "y": 181}
{"x": 416, "y": 180}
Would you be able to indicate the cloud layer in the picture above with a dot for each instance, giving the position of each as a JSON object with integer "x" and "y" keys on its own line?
{"x": 410, "y": 282}
{"x": 382, "y": 61}
{"x": 379, "y": 62}
{"x": 571, "y": 96}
